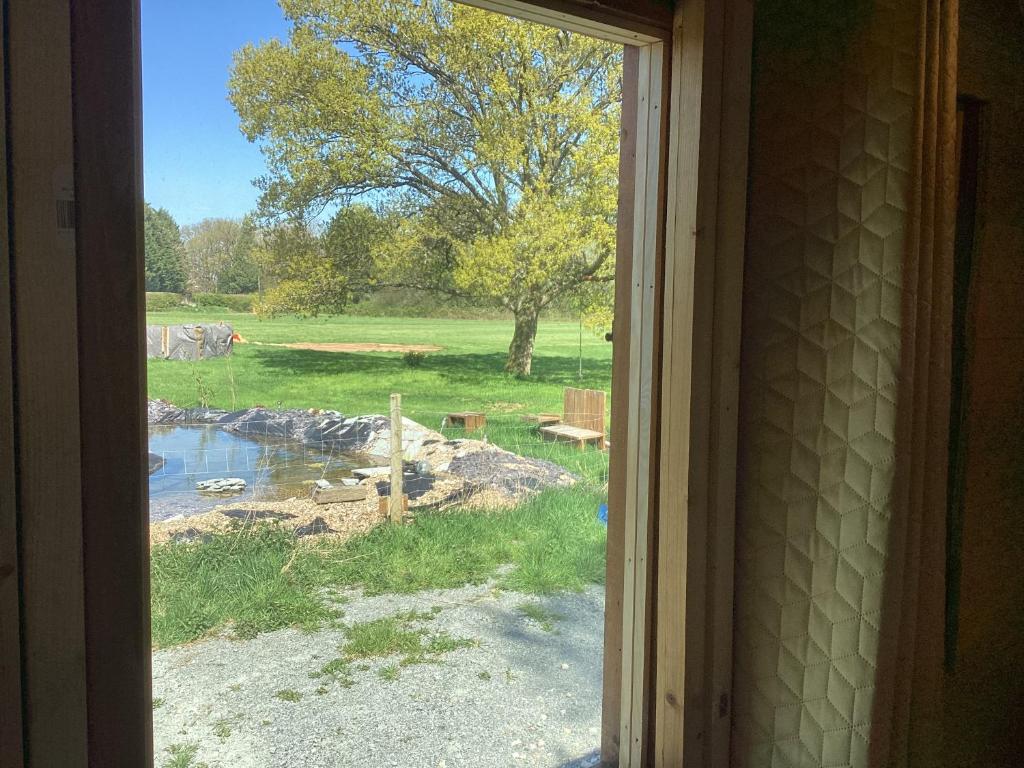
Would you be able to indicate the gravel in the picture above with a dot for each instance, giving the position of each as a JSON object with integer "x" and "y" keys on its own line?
{"x": 522, "y": 696}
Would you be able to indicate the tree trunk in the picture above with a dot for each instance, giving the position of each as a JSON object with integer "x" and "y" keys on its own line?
{"x": 520, "y": 351}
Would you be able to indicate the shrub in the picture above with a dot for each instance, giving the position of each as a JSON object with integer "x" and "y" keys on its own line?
{"x": 157, "y": 301}
{"x": 414, "y": 359}
{"x": 236, "y": 302}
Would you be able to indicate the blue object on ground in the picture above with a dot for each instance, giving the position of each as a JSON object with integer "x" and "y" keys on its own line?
{"x": 602, "y": 513}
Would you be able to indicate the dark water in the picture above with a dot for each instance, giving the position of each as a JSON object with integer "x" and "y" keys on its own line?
{"x": 272, "y": 469}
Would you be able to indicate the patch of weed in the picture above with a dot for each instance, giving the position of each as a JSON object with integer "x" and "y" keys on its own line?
{"x": 222, "y": 729}
{"x": 182, "y": 756}
{"x": 545, "y": 618}
{"x": 389, "y": 673}
{"x": 288, "y": 694}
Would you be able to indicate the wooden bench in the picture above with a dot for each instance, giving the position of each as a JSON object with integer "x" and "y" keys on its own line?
{"x": 578, "y": 435}
{"x": 468, "y": 420}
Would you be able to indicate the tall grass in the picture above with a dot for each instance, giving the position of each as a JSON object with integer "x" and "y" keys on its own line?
{"x": 261, "y": 579}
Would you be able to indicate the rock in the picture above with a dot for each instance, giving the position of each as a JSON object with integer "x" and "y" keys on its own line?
{"x": 156, "y": 461}
{"x": 366, "y": 472}
{"x": 190, "y": 535}
{"x": 313, "y": 528}
{"x": 323, "y": 484}
{"x": 221, "y": 485}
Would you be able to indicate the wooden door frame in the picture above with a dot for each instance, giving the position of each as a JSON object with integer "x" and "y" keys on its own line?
{"x": 670, "y": 596}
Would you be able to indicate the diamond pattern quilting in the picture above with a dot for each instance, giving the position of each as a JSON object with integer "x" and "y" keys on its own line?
{"x": 830, "y": 153}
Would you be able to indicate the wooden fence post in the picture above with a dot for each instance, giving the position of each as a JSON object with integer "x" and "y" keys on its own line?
{"x": 395, "y": 501}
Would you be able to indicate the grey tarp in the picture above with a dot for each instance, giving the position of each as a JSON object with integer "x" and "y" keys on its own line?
{"x": 188, "y": 342}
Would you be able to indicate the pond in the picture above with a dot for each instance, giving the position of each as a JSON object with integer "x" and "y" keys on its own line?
{"x": 272, "y": 469}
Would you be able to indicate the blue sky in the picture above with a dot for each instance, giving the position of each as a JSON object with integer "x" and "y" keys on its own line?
{"x": 197, "y": 163}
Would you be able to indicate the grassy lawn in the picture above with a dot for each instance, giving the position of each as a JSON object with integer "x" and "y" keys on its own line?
{"x": 262, "y": 579}
{"x": 466, "y": 375}
{"x": 259, "y": 580}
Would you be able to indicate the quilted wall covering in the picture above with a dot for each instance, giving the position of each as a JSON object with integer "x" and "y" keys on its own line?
{"x": 830, "y": 161}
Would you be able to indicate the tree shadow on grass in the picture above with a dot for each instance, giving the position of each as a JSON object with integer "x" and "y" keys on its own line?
{"x": 458, "y": 369}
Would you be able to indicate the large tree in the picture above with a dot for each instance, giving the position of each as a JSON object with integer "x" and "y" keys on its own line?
{"x": 220, "y": 255}
{"x": 165, "y": 256}
{"x": 495, "y": 138}
{"x": 320, "y": 272}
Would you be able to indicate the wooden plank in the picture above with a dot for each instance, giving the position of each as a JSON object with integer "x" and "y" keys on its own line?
{"x": 641, "y": 394}
{"x": 700, "y": 382}
{"x": 578, "y": 435}
{"x": 395, "y": 505}
{"x": 41, "y": 163}
{"x": 384, "y": 505}
{"x": 344, "y": 493}
{"x": 629, "y": 23}
{"x": 729, "y": 261}
{"x": 10, "y": 639}
{"x": 468, "y": 420}
{"x": 612, "y": 683}
{"x": 111, "y": 343}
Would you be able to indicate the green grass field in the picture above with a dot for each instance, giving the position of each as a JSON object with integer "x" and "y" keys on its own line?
{"x": 465, "y": 375}
{"x": 258, "y": 580}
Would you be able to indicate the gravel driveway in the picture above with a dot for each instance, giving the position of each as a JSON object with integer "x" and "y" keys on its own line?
{"x": 526, "y": 693}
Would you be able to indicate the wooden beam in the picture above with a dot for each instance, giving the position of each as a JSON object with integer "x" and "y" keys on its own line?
{"x": 41, "y": 163}
{"x": 641, "y": 395}
{"x": 611, "y": 698}
{"x": 10, "y": 640}
{"x": 704, "y": 252}
{"x": 395, "y": 506}
{"x": 111, "y": 380}
{"x": 621, "y": 21}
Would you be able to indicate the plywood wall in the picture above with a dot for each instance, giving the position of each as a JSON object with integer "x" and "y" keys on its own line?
{"x": 830, "y": 160}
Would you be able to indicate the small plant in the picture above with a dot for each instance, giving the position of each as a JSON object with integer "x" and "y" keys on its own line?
{"x": 382, "y": 637}
{"x": 485, "y": 675}
{"x": 288, "y": 694}
{"x": 158, "y": 702}
{"x": 389, "y": 673}
{"x": 414, "y": 359}
{"x": 204, "y": 394}
{"x": 338, "y": 669}
{"x": 222, "y": 729}
{"x": 182, "y": 756}
{"x": 544, "y": 617}
{"x": 445, "y": 643}
{"x": 321, "y": 691}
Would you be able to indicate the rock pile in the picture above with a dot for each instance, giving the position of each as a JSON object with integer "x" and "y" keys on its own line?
{"x": 439, "y": 473}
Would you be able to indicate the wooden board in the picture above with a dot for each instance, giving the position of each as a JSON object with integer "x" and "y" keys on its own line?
{"x": 585, "y": 408}
{"x": 10, "y": 641}
{"x": 383, "y": 504}
{"x": 344, "y": 493}
{"x": 112, "y": 362}
{"x": 468, "y": 420}
{"x": 45, "y": 308}
{"x": 704, "y": 252}
{"x": 569, "y": 434}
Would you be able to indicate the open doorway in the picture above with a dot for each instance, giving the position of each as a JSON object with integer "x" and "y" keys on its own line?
{"x": 436, "y": 250}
